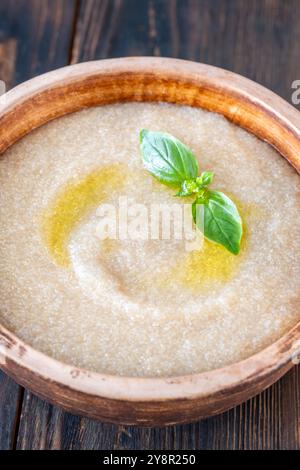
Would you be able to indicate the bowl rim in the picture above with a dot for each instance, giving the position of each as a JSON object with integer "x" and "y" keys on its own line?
{"x": 278, "y": 355}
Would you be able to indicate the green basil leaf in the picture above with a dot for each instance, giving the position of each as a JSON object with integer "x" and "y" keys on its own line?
{"x": 206, "y": 178}
{"x": 221, "y": 221}
{"x": 166, "y": 158}
{"x": 183, "y": 193}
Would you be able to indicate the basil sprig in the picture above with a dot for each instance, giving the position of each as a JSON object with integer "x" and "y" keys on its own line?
{"x": 173, "y": 163}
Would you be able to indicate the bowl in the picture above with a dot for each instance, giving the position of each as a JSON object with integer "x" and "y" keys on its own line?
{"x": 133, "y": 400}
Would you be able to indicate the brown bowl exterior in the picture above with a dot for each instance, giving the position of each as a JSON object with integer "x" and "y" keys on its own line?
{"x": 132, "y": 400}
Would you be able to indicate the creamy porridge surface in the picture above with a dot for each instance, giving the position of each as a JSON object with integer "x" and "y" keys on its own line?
{"x": 140, "y": 307}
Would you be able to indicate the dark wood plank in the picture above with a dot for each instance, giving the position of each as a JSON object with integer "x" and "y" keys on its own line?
{"x": 35, "y": 36}
{"x": 43, "y": 426}
{"x": 10, "y": 401}
{"x": 259, "y": 39}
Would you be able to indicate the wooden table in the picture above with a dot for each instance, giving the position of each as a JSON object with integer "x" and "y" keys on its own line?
{"x": 257, "y": 38}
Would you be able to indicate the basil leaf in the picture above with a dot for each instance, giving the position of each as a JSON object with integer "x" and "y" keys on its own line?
{"x": 183, "y": 193}
{"x": 206, "y": 178}
{"x": 166, "y": 158}
{"x": 221, "y": 223}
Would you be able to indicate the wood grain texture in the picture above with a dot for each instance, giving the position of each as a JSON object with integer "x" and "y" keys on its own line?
{"x": 10, "y": 403}
{"x": 37, "y": 36}
{"x": 259, "y": 39}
